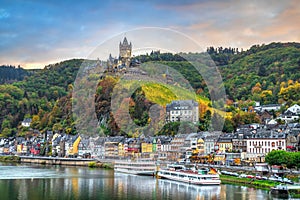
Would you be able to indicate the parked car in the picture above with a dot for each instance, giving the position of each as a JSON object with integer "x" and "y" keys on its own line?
{"x": 250, "y": 176}
{"x": 234, "y": 174}
{"x": 288, "y": 181}
{"x": 243, "y": 176}
{"x": 258, "y": 177}
{"x": 224, "y": 172}
{"x": 272, "y": 178}
{"x": 280, "y": 179}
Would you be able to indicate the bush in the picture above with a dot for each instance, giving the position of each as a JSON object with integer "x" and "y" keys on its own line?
{"x": 92, "y": 164}
{"x": 10, "y": 159}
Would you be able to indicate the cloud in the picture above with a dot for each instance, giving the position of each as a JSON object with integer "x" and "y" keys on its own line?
{"x": 4, "y": 14}
{"x": 240, "y": 23}
{"x": 43, "y": 31}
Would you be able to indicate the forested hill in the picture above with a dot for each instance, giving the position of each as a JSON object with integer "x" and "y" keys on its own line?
{"x": 10, "y": 74}
{"x": 265, "y": 73}
{"x": 44, "y": 96}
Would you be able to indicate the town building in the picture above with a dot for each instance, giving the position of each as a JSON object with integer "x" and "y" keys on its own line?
{"x": 165, "y": 147}
{"x": 146, "y": 146}
{"x": 295, "y": 109}
{"x": 224, "y": 143}
{"x": 210, "y": 142}
{"x": 263, "y": 142}
{"x": 288, "y": 117}
{"x": 26, "y": 122}
{"x": 239, "y": 143}
{"x": 269, "y": 107}
{"x": 182, "y": 110}
{"x": 111, "y": 147}
{"x": 264, "y": 116}
{"x": 176, "y": 147}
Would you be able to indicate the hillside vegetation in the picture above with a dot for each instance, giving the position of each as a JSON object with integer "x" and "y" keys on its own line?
{"x": 41, "y": 97}
{"x": 10, "y": 74}
{"x": 265, "y": 73}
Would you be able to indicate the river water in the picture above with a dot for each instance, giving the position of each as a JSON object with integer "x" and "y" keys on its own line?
{"x": 57, "y": 182}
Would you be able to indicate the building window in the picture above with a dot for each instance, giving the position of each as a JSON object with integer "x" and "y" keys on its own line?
{"x": 273, "y": 144}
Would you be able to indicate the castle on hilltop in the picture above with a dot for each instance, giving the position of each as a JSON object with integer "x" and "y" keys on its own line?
{"x": 124, "y": 61}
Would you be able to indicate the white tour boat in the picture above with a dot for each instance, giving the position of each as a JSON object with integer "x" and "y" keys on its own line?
{"x": 137, "y": 167}
{"x": 193, "y": 176}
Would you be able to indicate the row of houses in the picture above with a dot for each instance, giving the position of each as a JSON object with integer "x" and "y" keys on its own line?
{"x": 252, "y": 143}
{"x": 265, "y": 113}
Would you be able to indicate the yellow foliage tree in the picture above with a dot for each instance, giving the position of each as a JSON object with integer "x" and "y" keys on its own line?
{"x": 266, "y": 96}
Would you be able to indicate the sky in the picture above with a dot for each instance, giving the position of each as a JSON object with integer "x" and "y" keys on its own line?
{"x": 35, "y": 33}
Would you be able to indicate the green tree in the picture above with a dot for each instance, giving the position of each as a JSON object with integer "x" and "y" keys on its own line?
{"x": 228, "y": 126}
{"x": 6, "y": 124}
{"x": 276, "y": 157}
{"x": 6, "y": 132}
{"x": 262, "y": 71}
{"x": 35, "y": 122}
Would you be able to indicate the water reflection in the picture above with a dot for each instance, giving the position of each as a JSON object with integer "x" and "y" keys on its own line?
{"x": 186, "y": 191}
{"x": 44, "y": 182}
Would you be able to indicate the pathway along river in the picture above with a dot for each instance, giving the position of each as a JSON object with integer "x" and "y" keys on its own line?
{"x": 58, "y": 182}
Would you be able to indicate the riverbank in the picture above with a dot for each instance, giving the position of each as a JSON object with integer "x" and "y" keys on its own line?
{"x": 98, "y": 164}
{"x": 56, "y": 160}
{"x": 259, "y": 184}
{"x": 84, "y": 162}
{"x": 14, "y": 159}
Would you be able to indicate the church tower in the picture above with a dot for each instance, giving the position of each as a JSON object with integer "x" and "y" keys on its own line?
{"x": 125, "y": 52}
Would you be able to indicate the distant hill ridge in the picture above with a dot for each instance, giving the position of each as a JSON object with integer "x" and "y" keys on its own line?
{"x": 10, "y": 74}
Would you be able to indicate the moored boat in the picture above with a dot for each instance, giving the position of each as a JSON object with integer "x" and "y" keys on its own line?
{"x": 192, "y": 176}
{"x": 137, "y": 167}
{"x": 280, "y": 191}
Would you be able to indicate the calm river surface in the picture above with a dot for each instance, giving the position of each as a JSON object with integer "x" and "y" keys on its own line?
{"x": 56, "y": 182}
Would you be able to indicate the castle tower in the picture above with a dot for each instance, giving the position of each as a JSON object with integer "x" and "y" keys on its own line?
{"x": 125, "y": 52}
{"x": 125, "y": 49}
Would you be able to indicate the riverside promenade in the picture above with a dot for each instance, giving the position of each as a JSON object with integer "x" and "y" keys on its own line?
{"x": 56, "y": 160}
